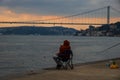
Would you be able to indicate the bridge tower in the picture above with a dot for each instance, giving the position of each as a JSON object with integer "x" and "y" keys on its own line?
{"x": 108, "y": 15}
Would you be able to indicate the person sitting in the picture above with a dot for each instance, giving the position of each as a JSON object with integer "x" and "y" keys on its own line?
{"x": 64, "y": 53}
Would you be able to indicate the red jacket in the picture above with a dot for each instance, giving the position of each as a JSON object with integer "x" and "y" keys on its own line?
{"x": 65, "y": 46}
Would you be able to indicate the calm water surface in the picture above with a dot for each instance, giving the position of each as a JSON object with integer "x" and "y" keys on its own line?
{"x": 24, "y": 53}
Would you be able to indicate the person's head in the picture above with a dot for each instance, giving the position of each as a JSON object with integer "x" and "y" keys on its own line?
{"x": 66, "y": 43}
{"x": 114, "y": 62}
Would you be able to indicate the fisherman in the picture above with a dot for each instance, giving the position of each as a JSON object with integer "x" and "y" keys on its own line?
{"x": 66, "y": 46}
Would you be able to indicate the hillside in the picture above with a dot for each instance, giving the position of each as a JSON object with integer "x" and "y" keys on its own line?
{"x": 30, "y": 30}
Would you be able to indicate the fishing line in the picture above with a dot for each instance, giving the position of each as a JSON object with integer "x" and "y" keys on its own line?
{"x": 109, "y": 48}
{"x": 104, "y": 49}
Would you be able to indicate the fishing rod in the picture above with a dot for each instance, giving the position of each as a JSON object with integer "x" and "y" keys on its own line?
{"x": 109, "y": 48}
{"x": 106, "y": 49}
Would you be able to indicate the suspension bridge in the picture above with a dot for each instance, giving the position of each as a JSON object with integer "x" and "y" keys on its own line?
{"x": 100, "y": 16}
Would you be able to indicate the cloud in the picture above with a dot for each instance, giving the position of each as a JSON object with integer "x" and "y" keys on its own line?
{"x": 8, "y": 15}
{"x": 51, "y": 7}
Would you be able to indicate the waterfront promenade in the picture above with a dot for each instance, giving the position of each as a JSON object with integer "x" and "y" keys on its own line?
{"x": 88, "y": 71}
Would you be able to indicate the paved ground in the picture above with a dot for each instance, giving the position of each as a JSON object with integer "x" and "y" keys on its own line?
{"x": 90, "y": 71}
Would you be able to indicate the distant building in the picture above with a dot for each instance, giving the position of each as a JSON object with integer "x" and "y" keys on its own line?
{"x": 91, "y": 31}
{"x": 104, "y": 30}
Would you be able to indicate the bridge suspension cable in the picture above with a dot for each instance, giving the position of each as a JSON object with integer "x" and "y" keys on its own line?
{"x": 98, "y": 16}
{"x": 83, "y": 13}
{"x": 75, "y": 19}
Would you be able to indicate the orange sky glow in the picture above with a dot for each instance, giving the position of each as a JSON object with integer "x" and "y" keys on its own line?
{"x": 9, "y": 15}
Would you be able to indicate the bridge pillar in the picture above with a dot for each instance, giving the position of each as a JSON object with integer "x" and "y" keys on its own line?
{"x": 108, "y": 15}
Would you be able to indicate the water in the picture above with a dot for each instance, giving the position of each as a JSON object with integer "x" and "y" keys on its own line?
{"x": 20, "y": 54}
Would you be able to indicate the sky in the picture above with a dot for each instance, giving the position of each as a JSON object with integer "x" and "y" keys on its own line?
{"x": 25, "y": 10}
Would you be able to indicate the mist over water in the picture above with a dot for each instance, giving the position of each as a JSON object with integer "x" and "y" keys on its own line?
{"x": 24, "y": 53}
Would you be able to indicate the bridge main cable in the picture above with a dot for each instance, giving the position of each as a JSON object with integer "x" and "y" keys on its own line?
{"x": 7, "y": 22}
